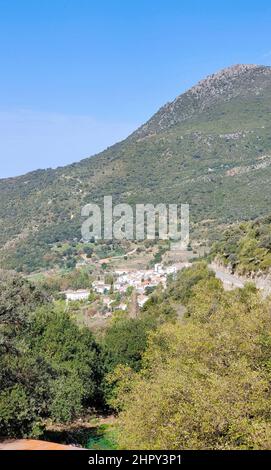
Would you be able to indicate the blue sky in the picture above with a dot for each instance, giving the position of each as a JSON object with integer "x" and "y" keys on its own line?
{"x": 79, "y": 75}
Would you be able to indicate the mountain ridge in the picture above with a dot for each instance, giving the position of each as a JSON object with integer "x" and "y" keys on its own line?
{"x": 212, "y": 150}
{"x": 203, "y": 87}
{"x": 230, "y": 72}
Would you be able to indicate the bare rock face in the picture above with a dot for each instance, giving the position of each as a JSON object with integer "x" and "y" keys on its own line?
{"x": 229, "y": 83}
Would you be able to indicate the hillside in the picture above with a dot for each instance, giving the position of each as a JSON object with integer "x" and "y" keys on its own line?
{"x": 210, "y": 147}
{"x": 245, "y": 248}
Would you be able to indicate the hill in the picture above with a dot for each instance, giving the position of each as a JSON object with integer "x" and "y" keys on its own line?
{"x": 210, "y": 147}
{"x": 245, "y": 248}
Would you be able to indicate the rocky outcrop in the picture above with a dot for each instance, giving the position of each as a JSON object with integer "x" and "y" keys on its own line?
{"x": 229, "y": 83}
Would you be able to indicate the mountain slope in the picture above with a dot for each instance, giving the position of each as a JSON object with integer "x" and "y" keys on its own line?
{"x": 237, "y": 81}
{"x": 210, "y": 147}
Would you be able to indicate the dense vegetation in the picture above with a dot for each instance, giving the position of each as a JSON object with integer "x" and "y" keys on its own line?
{"x": 190, "y": 370}
{"x": 210, "y": 148}
{"x": 49, "y": 368}
{"x": 205, "y": 383}
{"x": 246, "y": 248}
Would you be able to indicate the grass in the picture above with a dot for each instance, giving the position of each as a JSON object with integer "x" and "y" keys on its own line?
{"x": 102, "y": 438}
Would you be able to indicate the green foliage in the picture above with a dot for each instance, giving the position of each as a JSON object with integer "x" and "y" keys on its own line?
{"x": 68, "y": 393}
{"x": 206, "y": 296}
{"x": 246, "y": 247}
{"x": 73, "y": 355}
{"x": 202, "y": 382}
{"x": 49, "y": 368}
{"x": 125, "y": 340}
{"x": 181, "y": 289}
{"x": 159, "y": 255}
{"x": 75, "y": 279}
{"x": 205, "y": 382}
{"x": 17, "y": 298}
{"x": 103, "y": 438}
{"x": 24, "y": 394}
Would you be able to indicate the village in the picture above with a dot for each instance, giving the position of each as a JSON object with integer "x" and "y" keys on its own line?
{"x": 114, "y": 294}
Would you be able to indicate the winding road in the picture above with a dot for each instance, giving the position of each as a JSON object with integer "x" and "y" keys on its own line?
{"x": 230, "y": 281}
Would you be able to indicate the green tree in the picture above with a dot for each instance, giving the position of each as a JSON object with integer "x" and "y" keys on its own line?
{"x": 73, "y": 355}
{"x": 49, "y": 368}
{"x": 205, "y": 382}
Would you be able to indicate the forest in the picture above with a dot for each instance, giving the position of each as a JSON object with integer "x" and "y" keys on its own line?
{"x": 191, "y": 371}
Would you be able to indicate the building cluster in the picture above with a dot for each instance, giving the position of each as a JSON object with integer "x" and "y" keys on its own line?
{"x": 142, "y": 281}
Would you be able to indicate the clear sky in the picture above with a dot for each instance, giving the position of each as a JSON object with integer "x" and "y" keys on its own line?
{"x": 79, "y": 75}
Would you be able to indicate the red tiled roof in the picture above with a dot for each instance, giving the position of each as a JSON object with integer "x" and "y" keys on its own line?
{"x": 32, "y": 444}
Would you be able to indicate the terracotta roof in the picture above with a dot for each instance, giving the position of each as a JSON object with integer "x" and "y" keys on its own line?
{"x": 32, "y": 444}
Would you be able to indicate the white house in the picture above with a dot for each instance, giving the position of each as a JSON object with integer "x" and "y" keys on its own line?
{"x": 76, "y": 294}
{"x": 141, "y": 300}
{"x": 171, "y": 270}
{"x": 122, "y": 307}
{"x": 107, "y": 301}
{"x": 101, "y": 287}
{"x": 158, "y": 268}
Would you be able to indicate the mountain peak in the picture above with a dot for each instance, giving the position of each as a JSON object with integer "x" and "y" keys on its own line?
{"x": 229, "y": 74}
{"x": 224, "y": 85}
{"x": 235, "y": 70}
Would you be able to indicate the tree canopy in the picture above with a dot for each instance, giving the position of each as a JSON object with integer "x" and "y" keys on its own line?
{"x": 49, "y": 368}
{"x": 205, "y": 382}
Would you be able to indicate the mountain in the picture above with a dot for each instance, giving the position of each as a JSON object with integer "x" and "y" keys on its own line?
{"x": 210, "y": 147}
{"x": 237, "y": 81}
